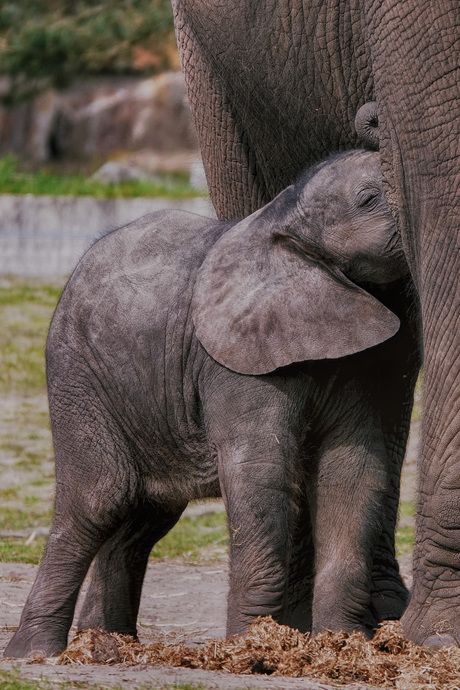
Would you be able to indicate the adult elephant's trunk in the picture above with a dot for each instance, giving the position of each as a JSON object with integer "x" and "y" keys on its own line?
{"x": 367, "y": 125}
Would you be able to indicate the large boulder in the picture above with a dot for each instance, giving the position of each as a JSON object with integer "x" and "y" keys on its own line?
{"x": 97, "y": 117}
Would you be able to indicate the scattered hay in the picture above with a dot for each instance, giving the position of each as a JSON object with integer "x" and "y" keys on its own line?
{"x": 388, "y": 660}
{"x": 96, "y": 647}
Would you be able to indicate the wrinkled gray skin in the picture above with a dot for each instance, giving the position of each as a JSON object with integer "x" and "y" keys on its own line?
{"x": 190, "y": 357}
{"x": 274, "y": 86}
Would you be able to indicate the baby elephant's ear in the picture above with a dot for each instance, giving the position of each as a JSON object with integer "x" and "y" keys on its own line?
{"x": 259, "y": 305}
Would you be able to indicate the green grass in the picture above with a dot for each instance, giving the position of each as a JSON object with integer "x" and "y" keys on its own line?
{"x": 16, "y": 519}
{"x": 404, "y": 540}
{"x": 191, "y": 535}
{"x": 17, "y": 551}
{"x": 418, "y": 398}
{"x": 9, "y": 493}
{"x": 405, "y": 530}
{"x": 26, "y": 441}
{"x": 40, "y": 482}
{"x": 13, "y": 181}
{"x": 406, "y": 509}
{"x": 11, "y": 680}
{"x": 25, "y": 314}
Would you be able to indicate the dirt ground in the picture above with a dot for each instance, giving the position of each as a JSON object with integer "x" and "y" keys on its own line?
{"x": 185, "y": 602}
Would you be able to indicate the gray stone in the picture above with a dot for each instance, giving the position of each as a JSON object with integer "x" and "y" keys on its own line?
{"x": 113, "y": 172}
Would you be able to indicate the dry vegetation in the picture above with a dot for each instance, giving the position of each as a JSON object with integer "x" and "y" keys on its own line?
{"x": 388, "y": 661}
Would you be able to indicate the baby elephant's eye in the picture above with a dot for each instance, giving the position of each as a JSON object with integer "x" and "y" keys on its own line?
{"x": 367, "y": 198}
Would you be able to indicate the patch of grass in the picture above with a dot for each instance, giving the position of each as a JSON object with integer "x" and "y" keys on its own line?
{"x": 13, "y": 181}
{"x": 18, "y": 551}
{"x": 25, "y": 314}
{"x": 27, "y": 430}
{"x": 404, "y": 540}
{"x": 27, "y": 457}
{"x": 405, "y": 530}
{"x": 34, "y": 417}
{"x": 42, "y": 482}
{"x": 15, "y": 518}
{"x": 30, "y": 460}
{"x": 9, "y": 493}
{"x": 19, "y": 292}
{"x": 406, "y": 509}
{"x": 31, "y": 500}
{"x": 14, "y": 492}
{"x": 190, "y": 535}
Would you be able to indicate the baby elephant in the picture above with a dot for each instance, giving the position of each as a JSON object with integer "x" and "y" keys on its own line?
{"x": 270, "y": 361}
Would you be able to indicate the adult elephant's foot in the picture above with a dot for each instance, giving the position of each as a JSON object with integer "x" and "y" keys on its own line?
{"x": 28, "y": 642}
{"x": 432, "y": 618}
{"x": 435, "y": 624}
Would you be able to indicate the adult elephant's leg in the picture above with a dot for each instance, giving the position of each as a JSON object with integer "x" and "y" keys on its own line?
{"x": 231, "y": 167}
{"x": 270, "y": 92}
{"x": 415, "y": 58}
{"x": 118, "y": 571}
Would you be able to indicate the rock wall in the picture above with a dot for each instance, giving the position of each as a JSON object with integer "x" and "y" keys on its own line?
{"x": 100, "y": 117}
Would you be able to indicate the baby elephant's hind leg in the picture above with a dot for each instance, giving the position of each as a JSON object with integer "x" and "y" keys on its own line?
{"x": 96, "y": 493}
{"x": 117, "y": 574}
{"x": 301, "y": 573}
{"x": 48, "y": 612}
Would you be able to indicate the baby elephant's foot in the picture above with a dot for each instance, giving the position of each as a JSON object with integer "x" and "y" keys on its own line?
{"x": 388, "y": 602}
{"x": 29, "y": 642}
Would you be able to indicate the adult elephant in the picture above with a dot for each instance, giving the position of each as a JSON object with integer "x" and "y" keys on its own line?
{"x": 274, "y": 85}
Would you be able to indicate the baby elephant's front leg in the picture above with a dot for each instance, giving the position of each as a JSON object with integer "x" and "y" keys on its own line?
{"x": 257, "y": 488}
{"x": 351, "y": 487}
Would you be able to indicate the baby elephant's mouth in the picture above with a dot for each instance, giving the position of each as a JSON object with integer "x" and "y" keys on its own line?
{"x": 385, "y": 270}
